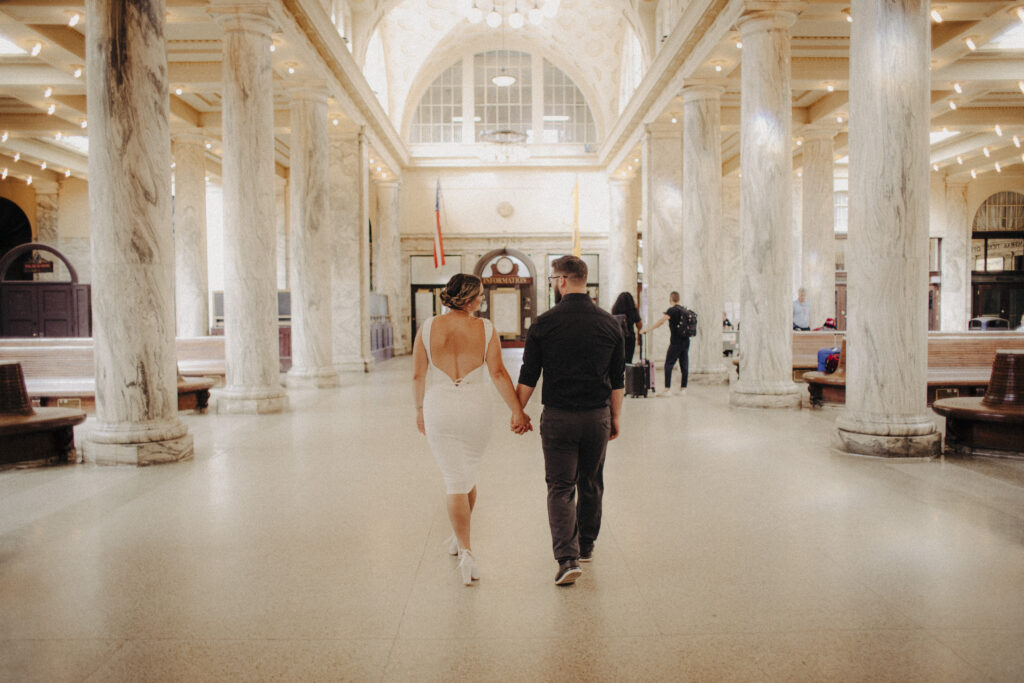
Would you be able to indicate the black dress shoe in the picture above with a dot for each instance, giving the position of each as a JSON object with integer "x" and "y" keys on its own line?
{"x": 568, "y": 572}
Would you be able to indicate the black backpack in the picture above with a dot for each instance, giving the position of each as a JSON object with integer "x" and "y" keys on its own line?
{"x": 686, "y": 323}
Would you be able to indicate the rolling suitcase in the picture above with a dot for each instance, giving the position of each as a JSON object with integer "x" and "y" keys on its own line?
{"x": 639, "y": 376}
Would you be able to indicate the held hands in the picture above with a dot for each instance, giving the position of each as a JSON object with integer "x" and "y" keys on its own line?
{"x": 520, "y": 423}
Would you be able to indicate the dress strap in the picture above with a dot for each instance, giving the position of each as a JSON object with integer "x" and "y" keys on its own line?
{"x": 488, "y": 332}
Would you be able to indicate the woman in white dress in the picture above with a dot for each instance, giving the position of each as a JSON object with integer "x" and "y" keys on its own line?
{"x": 453, "y": 402}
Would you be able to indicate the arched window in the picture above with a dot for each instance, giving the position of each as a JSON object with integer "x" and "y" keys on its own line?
{"x": 998, "y": 228}
{"x": 465, "y": 104}
{"x": 631, "y": 71}
{"x": 439, "y": 116}
{"x": 375, "y": 69}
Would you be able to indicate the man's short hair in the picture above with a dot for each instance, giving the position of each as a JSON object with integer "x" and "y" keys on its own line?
{"x": 674, "y": 297}
{"x": 572, "y": 267}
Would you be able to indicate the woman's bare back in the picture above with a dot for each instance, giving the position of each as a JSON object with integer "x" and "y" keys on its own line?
{"x": 457, "y": 344}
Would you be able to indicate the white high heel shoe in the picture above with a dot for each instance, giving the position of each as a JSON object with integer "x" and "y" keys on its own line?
{"x": 453, "y": 545}
{"x": 468, "y": 568}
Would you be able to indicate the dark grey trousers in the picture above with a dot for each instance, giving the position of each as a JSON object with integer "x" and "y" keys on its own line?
{"x": 574, "y": 445}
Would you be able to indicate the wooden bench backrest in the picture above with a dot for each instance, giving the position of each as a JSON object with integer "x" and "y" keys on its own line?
{"x": 199, "y": 348}
{"x": 973, "y": 350}
{"x": 808, "y": 343}
{"x": 52, "y": 362}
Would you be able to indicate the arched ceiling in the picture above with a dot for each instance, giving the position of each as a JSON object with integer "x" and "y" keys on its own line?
{"x": 585, "y": 39}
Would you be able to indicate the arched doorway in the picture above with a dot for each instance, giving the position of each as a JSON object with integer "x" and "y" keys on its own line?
{"x": 15, "y": 229}
{"x": 42, "y": 309}
{"x": 997, "y": 258}
{"x": 510, "y": 284}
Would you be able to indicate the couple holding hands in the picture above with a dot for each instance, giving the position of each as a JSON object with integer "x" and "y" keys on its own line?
{"x": 579, "y": 349}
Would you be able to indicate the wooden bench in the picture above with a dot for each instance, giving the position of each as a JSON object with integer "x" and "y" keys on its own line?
{"x": 35, "y": 435}
{"x": 58, "y": 375}
{"x": 959, "y": 364}
{"x": 805, "y": 350}
{"x": 202, "y": 356}
{"x": 993, "y": 425}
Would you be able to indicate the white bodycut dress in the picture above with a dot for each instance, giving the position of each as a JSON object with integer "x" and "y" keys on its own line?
{"x": 457, "y": 416}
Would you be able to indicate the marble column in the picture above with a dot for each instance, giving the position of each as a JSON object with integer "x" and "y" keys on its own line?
{"x": 621, "y": 240}
{"x": 281, "y": 225}
{"x": 130, "y": 214}
{"x": 253, "y": 382}
{"x": 310, "y": 240}
{"x": 662, "y": 161}
{"x": 766, "y": 215}
{"x": 387, "y": 259}
{"x": 350, "y": 284}
{"x": 47, "y": 204}
{"x": 955, "y": 293}
{"x": 886, "y": 413}
{"x": 191, "y": 281}
{"x": 703, "y": 281}
{"x": 47, "y": 212}
{"x": 818, "y": 223}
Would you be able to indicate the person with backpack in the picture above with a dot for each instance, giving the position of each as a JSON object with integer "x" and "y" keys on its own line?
{"x": 682, "y": 324}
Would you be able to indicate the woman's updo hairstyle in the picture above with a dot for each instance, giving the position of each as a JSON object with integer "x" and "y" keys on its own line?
{"x": 460, "y": 291}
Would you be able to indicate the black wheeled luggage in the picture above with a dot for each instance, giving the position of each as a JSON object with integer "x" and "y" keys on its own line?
{"x": 639, "y": 376}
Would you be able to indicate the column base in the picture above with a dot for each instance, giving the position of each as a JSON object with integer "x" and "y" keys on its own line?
{"x": 708, "y": 377}
{"x": 764, "y": 395}
{"x": 233, "y": 401}
{"x": 139, "y": 454}
{"x": 887, "y": 436}
{"x": 353, "y": 365}
{"x": 324, "y": 378}
{"x": 855, "y": 443}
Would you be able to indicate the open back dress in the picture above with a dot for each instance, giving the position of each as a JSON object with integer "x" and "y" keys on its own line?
{"x": 457, "y": 416}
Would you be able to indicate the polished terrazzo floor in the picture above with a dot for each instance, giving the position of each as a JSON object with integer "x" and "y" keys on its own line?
{"x": 310, "y": 546}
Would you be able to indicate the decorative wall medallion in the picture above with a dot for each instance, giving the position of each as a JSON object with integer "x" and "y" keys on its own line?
{"x": 505, "y": 210}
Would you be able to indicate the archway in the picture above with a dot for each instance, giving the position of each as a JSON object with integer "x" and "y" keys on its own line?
{"x": 997, "y": 258}
{"x": 42, "y": 309}
{"x": 509, "y": 279}
{"x": 15, "y": 229}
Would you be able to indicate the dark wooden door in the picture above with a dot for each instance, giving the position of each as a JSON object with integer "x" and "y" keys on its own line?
{"x": 39, "y": 310}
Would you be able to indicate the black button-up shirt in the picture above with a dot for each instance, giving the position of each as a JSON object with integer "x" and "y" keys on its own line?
{"x": 579, "y": 348}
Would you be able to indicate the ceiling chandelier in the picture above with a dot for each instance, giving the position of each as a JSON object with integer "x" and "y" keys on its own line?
{"x": 498, "y": 12}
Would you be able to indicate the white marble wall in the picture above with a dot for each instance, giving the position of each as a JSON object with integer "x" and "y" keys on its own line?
{"x": 387, "y": 261}
{"x": 887, "y": 252}
{"x": 766, "y": 214}
{"x": 818, "y": 225}
{"x": 191, "y": 282}
{"x": 252, "y": 384}
{"x": 350, "y": 250}
{"x": 310, "y": 241}
{"x": 955, "y": 305}
{"x": 622, "y": 246}
{"x": 663, "y": 228}
{"x": 130, "y": 214}
{"x": 702, "y": 286}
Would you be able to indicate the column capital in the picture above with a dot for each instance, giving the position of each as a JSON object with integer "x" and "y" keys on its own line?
{"x": 188, "y": 136}
{"x": 45, "y": 186}
{"x": 251, "y": 16}
{"x": 956, "y": 183}
{"x": 388, "y": 182}
{"x": 765, "y": 15}
{"x": 698, "y": 90}
{"x": 621, "y": 180}
{"x": 819, "y": 133}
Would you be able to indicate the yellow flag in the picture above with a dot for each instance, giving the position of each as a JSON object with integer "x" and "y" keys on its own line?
{"x": 576, "y": 219}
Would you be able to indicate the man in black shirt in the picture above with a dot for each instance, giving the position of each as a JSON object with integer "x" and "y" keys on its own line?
{"x": 678, "y": 343}
{"x": 579, "y": 349}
